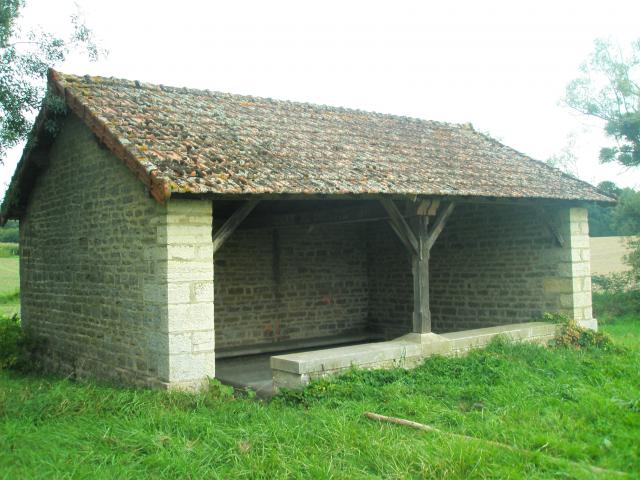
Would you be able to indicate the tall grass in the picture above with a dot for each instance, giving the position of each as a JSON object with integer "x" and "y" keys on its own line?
{"x": 616, "y": 295}
{"x": 562, "y": 404}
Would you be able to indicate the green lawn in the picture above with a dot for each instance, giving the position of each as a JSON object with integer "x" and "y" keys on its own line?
{"x": 9, "y": 285}
{"x": 559, "y": 405}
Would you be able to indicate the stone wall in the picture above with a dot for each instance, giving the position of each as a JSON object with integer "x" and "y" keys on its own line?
{"x": 390, "y": 282}
{"x": 291, "y": 283}
{"x": 82, "y": 244}
{"x": 491, "y": 265}
{"x": 117, "y": 286}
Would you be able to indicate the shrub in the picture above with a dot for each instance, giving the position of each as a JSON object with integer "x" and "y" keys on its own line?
{"x": 607, "y": 304}
{"x": 12, "y": 341}
{"x": 574, "y": 336}
{"x": 554, "y": 317}
{"x": 216, "y": 390}
{"x": 616, "y": 295}
{"x": 18, "y": 349}
{"x": 613, "y": 282}
{"x": 10, "y": 297}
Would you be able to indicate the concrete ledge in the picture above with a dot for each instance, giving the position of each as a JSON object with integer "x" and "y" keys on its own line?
{"x": 296, "y": 370}
{"x": 344, "y": 357}
{"x": 469, "y": 339}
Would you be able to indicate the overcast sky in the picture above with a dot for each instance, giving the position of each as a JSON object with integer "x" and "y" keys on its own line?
{"x": 503, "y": 66}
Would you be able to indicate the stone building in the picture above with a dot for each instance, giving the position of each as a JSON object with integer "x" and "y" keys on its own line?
{"x": 322, "y": 225}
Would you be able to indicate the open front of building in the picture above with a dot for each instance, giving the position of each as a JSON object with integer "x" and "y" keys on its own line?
{"x": 491, "y": 265}
{"x": 312, "y": 275}
{"x": 164, "y": 231}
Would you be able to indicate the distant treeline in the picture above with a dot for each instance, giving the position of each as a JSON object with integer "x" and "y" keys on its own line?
{"x": 621, "y": 219}
{"x": 9, "y": 233}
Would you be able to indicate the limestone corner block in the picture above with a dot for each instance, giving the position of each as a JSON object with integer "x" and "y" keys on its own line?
{"x": 570, "y": 288}
{"x": 183, "y": 290}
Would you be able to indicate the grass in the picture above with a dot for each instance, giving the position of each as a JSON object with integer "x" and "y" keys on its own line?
{"x": 8, "y": 249}
{"x": 559, "y": 404}
{"x": 9, "y": 284}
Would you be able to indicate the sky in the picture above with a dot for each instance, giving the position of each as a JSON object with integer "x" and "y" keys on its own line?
{"x": 501, "y": 65}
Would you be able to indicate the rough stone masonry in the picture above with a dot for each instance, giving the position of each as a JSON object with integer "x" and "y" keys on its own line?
{"x": 117, "y": 286}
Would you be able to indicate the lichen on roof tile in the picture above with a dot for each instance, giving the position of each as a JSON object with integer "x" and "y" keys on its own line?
{"x": 209, "y": 142}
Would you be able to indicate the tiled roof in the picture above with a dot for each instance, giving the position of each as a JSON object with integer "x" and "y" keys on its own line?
{"x": 195, "y": 141}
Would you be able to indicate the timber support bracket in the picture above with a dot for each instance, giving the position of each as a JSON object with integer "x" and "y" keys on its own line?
{"x": 418, "y": 239}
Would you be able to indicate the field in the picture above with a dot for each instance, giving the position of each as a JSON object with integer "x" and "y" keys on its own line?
{"x": 565, "y": 410}
{"x": 607, "y": 255}
{"x": 9, "y": 280}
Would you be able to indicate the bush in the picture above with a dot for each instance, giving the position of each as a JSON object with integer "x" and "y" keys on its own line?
{"x": 615, "y": 295}
{"x": 574, "y": 336}
{"x": 633, "y": 259}
{"x": 613, "y": 283}
{"x": 607, "y": 305}
{"x": 18, "y": 349}
{"x": 12, "y": 342}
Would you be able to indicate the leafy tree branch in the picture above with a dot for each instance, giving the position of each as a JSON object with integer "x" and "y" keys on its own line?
{"x": 24, "y": 61}
{"x": 609, "y": 89}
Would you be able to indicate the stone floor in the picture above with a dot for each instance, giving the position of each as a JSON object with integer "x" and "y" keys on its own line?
{"x": 254, "y": 371}
{"x": 251, "y": 371}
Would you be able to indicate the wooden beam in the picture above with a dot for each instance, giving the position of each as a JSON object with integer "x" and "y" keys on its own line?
{"x": 400, "y": 226}
{"x": 439, "y": 224}
{"x": 546, "y": 219}
{"x": 369, "y": 212}
{"x": 423, "y": 207}
{"x": 420, "y": 267}
{"x": 221, "y": 235}
{"x": 433, "y": 208}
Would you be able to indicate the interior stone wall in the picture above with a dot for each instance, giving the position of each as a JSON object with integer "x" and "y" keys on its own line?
{"x": 492, "y": 265}
{"x": 290, "y": 283}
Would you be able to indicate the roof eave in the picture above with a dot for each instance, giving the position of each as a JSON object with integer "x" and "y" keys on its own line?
{"x": 523, "y": 201}
{"x": 31, "y": 164}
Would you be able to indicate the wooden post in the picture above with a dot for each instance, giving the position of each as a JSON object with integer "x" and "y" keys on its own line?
{"x": 420, "y": 264}
{"x": 418, "y": 242}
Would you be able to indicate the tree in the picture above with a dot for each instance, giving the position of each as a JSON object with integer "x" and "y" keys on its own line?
{"x": 10, "y": 233}
{"x": 621, "y": 220}
{"x": 565, "y": 160}
{"x": 609, "y": 89}
{"x": 626, "y": 215}
{"x": 24, "y": 60}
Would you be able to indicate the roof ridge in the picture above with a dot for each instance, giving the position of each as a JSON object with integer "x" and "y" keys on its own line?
{"x": 115, "y": 81}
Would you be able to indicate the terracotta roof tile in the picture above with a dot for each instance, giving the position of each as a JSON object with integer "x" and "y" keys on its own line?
{"x": 208, "y": 142}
